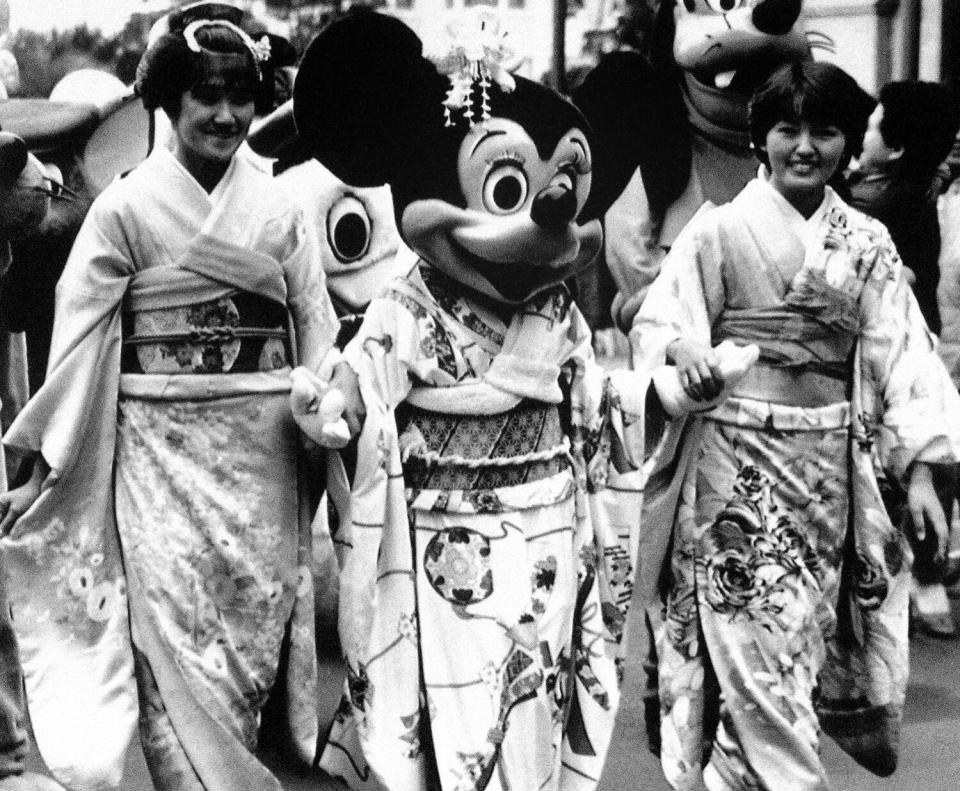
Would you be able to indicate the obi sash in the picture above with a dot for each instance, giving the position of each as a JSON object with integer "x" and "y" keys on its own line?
{"x": 788, "y": 338}
{"x": 481, "y": 452}
{"x": 239, "y": 333}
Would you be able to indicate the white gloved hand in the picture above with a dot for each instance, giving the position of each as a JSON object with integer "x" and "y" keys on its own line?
{"x": 735, "y": 361}
{"x": 317, "y": 408}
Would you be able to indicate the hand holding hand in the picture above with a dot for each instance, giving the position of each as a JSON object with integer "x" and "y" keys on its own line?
{"x": 327, "y": 406}
{"x": 698, "y": 371}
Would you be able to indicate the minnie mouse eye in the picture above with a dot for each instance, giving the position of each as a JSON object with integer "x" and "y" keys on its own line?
{"x": 723, "y": 6}
{"x": 349, "y": 229}
{"x": 505, "y": 189}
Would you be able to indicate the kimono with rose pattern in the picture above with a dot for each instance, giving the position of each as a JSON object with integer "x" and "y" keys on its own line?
{"x": 786, "y": 607}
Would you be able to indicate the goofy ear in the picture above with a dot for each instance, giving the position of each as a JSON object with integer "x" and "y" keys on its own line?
{"x": 638, "y": 120}
{"x": 365, "y": 99}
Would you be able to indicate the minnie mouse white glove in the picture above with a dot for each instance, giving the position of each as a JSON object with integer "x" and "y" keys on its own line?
{"x": 735, "y": 361}
{"x": 318, "y": 408}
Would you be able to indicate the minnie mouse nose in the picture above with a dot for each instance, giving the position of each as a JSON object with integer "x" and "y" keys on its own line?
{"x": 554, "y": 207}
{"x": 13, "y": 156}
{"x": 776, "y": 17}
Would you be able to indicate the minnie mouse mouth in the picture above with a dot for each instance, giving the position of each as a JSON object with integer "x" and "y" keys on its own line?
{"x": 515, "y": 281}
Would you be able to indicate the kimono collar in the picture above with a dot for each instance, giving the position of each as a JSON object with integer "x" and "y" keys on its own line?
{"x": 211, "y": 198}
{"x": 803, "y": 227}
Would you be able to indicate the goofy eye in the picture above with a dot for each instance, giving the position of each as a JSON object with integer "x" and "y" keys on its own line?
{"x": 723, "y": 6}
{"x": 505, "y": 189}
{"x": 348, "y": 229}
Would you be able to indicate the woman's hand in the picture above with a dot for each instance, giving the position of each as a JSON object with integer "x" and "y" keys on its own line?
{"x": 327, "y": 406}
{"x": 698, "y": 367}
{"x": 17, "y": 502}
{"x": 925, "y": 508}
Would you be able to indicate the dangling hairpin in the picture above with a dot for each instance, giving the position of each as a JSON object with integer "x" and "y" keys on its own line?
{"x": 477, "y": 53}
{"x": 259, "y": 49}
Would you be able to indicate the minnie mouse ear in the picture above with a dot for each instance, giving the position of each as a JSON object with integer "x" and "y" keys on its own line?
{"x": 637, "y": 121}
{"x": 365, "y": 100}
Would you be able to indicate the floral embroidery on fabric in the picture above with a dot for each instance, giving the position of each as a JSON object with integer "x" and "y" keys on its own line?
{"x": 543, "y": 577}
{"x": 90, "y": 596}
{"x": 484, "y": 501}
{"x": 222, "y": 576}
{"x": 757, "y": 554}
{"x": 214, "y": 356}
{"x": 871, "y": 584}
{"x": 359, "y": 686}
{"x": 457, "y": 564}
{"x": 449, "y": 298}
{"x": 411, "y": 734}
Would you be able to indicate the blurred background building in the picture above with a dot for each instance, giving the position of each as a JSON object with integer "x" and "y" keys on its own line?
{"x": 875, "y": 40}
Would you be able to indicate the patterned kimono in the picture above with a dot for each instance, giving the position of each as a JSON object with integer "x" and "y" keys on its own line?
{"x": 486, "y": 559}
{"x": 166, "y": 424}
{"x": 786, "y": 608}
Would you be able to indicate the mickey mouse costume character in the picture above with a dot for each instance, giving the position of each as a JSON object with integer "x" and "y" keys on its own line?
{"x": 488, "y": 555}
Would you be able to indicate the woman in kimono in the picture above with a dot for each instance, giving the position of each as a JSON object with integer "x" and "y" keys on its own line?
{"x": 786, "y": 600}
{"x": 165, "y": 422}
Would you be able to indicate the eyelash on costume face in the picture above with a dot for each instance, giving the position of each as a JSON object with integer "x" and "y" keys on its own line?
{"x": 507, "y": 158}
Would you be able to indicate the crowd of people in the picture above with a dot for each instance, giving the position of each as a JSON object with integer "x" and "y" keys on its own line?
{"x": 162, "y": 551}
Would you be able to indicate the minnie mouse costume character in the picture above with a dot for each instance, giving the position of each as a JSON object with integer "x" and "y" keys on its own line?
{"x": 493, "y": 518}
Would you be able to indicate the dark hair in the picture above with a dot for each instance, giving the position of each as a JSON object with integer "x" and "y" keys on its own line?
{"x": 169, "y": 68}
{"x": 921, "y": 118}
{"x": 812, "y": 91}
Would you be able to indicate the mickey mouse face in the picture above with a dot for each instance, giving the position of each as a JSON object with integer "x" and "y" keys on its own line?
{"x": 516, "y": 234}
{"x": 500, "y": 191}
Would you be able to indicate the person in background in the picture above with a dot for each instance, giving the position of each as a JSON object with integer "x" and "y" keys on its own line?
{"x": 787, "y": 587}
{"x": 908, "y": 137}
{"x": 164, "y": 422}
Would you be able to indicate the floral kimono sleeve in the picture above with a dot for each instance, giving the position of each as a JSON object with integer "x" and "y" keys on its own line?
{"x": 685, "y": 298}
{"x": 906, "y": 392}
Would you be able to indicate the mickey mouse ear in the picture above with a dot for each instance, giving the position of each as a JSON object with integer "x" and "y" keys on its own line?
{"x": 362, "y": 97}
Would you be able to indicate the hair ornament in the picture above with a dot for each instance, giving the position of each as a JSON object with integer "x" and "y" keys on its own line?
{"x": 259, "y": 49}
{"x": 476, "y": 54}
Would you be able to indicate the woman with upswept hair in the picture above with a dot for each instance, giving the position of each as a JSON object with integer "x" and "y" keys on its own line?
{"x": 166, "y": 459}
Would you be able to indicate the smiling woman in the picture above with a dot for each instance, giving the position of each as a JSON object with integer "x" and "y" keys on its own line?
{"x": 787, "y": 583}
{"x": 164, "y": 421}
{"x": 206, "y": 81}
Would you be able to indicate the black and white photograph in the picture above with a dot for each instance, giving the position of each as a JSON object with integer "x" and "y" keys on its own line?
{"x": 479, "y": 395}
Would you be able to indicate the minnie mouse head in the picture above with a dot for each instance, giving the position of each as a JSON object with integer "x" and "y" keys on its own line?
{"x": 498, "y": 181}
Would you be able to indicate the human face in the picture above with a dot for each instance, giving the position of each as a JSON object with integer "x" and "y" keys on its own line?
{"x": 876, "y": 153}
{"x": 212, "y": 123}
{"x": 803, "y": 156}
